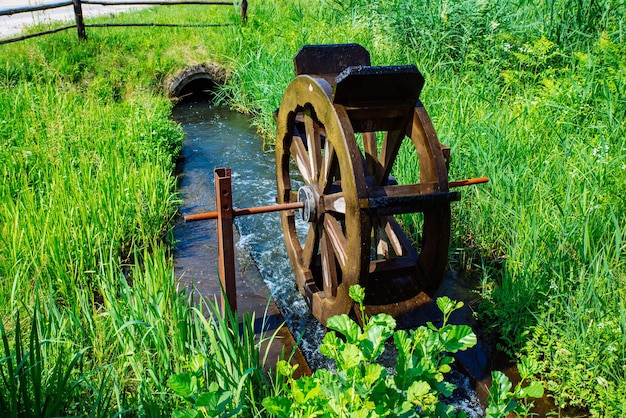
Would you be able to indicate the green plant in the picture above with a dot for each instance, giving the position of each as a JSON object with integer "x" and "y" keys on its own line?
{"x": 211, "y": 401}
{"x": 502, "y": 401}
{"x": 224, "y": 376}
{"x": 360, "y": 386}
{"x": 39, "y": 378}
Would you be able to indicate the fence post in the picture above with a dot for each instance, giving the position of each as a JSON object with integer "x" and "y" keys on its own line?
{"x": 80, "y": 23}
{"x": 226, "y": 246}
{"x": 244, "y": 10}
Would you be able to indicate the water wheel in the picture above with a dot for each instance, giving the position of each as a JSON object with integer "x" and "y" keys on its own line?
{"x": 340, "y": 126}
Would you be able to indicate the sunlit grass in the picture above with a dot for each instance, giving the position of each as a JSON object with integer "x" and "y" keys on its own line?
{"x": 531, "y": 96}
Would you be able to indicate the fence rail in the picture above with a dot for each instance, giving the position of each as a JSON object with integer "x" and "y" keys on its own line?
{"x": 80, "y": 24}
{"x": 35, "y": 8}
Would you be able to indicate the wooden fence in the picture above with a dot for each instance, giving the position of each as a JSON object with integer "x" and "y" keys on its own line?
{"x": 80, "y": 23}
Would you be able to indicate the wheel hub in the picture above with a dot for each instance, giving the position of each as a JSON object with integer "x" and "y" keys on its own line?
{"x": 309, "y": 199}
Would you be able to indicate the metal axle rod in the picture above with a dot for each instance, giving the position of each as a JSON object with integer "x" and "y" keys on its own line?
{"x": 244, "y": 212}
{"x": 298, "y": 205}
{"x": 468, "y": 182}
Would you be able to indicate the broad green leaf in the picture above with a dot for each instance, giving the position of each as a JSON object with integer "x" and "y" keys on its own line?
{"x": 528, "y": 367}
{"x": 534, "y": 390}
{"x": 346, "y": 326}
{"x": 444, "y": 411}
{"x": 277, "y": 405}
{"x": 349, "y": 356}
{"x": 180, "y": 384}
{"x": 206, "y": 399}
{"x": 385, "y": 321}
{"x": 445, "y": 388}
{"x": 403, "y": 343}
{"x": 405, "y": 410}
{"x": 310, "y": 388}
{"x": 373, "y": 373}
{"x": 457, "y": 337}
{"x": 417, "y": 390}
{"x": 224, "y": 400}
{"x": 500, "y": 410}
{"x": 445, "y": 305}
{"x": 373, "y": 343}
{"x": 330, "y": 345}
{"x": 283, "y": 368}
{"x": 301, "y": 388}
{"x": 499, "y": 392}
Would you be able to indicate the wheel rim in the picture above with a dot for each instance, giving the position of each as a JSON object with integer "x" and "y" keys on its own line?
{"x": 321, "y": 147}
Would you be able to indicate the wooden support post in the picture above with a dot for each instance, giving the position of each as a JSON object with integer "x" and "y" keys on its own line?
{"x": 80, "y": 23}
{"x": 224, "y": 203}
{"x": 244, "y": 10}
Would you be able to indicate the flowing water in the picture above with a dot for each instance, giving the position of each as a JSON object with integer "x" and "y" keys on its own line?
{"x": 218, "y": 137}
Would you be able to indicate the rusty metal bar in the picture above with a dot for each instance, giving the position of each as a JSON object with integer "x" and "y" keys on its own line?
{"x": 298, "y": 205}
{"x": 270, "y": 208}
{"x": 224, "y": 202}
{"x": 468, "y": 182}
{"x": 245, "y": 212}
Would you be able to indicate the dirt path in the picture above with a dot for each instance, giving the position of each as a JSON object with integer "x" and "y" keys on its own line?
{"x": 11, "y": 25}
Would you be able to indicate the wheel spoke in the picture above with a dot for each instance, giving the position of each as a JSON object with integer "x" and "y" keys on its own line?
{"x": 313, "y": 142}
{"x": 310, "y": 246}
{"x": 329, "y": 266}
{"x": 337, "y": 239}
{"x": 335, "y": 202}
{"x": 393, "y": 238}
{"x": 371, "y": 153}
{"x": 328, "y": 168}
{"x": 388, "y": 154}
{"x": 298, "y": 150}
{"x": 386, "y": 236}
{"x": 382, "y": 247}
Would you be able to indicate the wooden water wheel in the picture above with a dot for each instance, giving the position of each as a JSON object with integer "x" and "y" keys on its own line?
{"x": 340, "y": 126}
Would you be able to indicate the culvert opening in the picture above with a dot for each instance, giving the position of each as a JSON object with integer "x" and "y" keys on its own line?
{"x": 200, "y": 89}
{"x": 197, "y": 83}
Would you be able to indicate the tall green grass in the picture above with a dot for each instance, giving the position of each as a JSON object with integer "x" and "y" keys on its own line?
{"x": 92, "y": 321}
{"x": 529, "y": 93}
{"x": 539, "y": 109}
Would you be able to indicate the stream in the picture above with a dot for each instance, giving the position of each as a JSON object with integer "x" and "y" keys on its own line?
{"x": 218, "y": 137}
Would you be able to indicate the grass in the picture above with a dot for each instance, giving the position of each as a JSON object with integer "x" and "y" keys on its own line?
{"x": 530, "y": 94}
{"x": 87, "y": 200}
